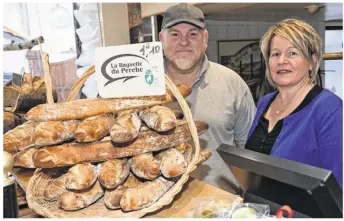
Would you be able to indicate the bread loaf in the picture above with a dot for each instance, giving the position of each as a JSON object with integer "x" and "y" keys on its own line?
{"x": 144, "y": 128}
{"x": 83, "y": 108}
{"x": 204, "y": 157}
{"x": 81, "y": 176}
{"x": 182, "y": 147}
{"x": 188, "y": 153}
{"x": 125, "y": 112}
{"x": 24, "y": 158}
{"x": 131, "y": 181}
{"x": 113, "y": 173}
{"x": 19, "y": 138}
{"x": 159, "y": 118}
{"x": 126, "y": 128}
{"x": 55, "y": 188}
{"x": 112, "y": 198}
{"x": 144, "y": 194}
{"x": 172, "y": 164}
{"x": 145, "y": 166}
{"x": 94, "y": 128}
{"x": 11, "y": 120}
{"x": 178, "y": 113}
{"x": 74, "y": 153}
{"x": 54, "y": 132}
{"x": 77, "y": 200}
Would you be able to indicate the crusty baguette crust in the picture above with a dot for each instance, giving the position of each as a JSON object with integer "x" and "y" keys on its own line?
{"x": 188, "y": 153}
{"x": 178, "y": 113}
{"x": 126, "y": 128}
{"x": 205, "y": 155}
{"x": 74, "y": 153}
{"x": 77, "y": 200}
{"x": 113, "y": 173}
{"x": 112, "y": 198}
{"x": 172, "y": 164}
{"x": 131, "y": 181}
{"x": 145, "y": 166}
{"x": 54, "y": 132}
{"x": 24, "y": 158}
{"x": 20, "y": 137}
{"x": 81, "y": 176}
{"x": 144, "y": 194}
{"x": 182, "y": 147}
{"x": 159, "y": 118}
{"x": 94, "y": 128}
{"x": 83, "y": 108}
{"x": 55, "y": 188}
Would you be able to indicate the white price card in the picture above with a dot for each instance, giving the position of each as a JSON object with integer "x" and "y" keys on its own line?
{"x": 130, "y": 70}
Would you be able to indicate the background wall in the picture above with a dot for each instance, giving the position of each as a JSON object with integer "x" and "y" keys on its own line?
{"x": 241, "y": 30}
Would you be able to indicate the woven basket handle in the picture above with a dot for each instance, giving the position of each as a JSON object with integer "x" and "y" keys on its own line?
{"x": 47, "y": 78}
{"x": 80, "y": 82}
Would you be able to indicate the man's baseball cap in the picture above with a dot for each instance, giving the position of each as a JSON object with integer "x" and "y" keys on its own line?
{"x": 183, "y": 13}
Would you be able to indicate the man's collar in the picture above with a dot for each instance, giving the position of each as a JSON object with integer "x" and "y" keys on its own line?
{"x": 203, "y": 69}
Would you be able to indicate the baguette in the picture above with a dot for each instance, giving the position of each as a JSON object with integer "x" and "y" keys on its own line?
{"x": 159, "y": 118}
{"x": 77, "y": 200}
{"x": 178, "y": 113}
{"x": 54, "y": 132}
{"x": 178, "y": 123}
{"x": 144, "y": 194}
{"x": 112, "y": 198}
{"x": 126, "y": 128}
{"x": 94, "y": 128}
{"x": 11, "y": 120}
{"x": 172, "y": 164}
{"x": 74, "y": 153}
{"x": 145, "y": 166}
{"x": 182, "y": 147}
{"x": 204, "y": 157}
{"x": 24, "y": 158}
{"x": 125, "y": 112}
{"x": 81, "y": 176}
{"x": 55, "y": 188}
{"x": 131, "y": 181}
{"x": 19, "y": 138}
{"x": 83, "y": 108}
{"x": 188, "y": 153}
{"x": 113, "y": 172}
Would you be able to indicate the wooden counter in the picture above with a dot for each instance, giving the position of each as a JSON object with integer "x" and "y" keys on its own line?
{"x": 182, "y": 203}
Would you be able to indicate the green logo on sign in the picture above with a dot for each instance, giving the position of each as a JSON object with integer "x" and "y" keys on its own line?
{"x": 149, "y": 77}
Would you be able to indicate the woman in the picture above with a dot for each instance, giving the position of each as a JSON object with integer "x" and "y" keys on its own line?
{"x": 300, "y": 121}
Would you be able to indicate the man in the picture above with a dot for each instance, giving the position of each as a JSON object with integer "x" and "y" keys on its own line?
{"x": 219, "y": 95}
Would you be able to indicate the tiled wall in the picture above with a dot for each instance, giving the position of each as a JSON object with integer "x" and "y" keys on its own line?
{"x": 240, "y": 30}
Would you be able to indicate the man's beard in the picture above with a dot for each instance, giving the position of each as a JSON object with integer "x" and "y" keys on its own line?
{"x": 183, "y": 63}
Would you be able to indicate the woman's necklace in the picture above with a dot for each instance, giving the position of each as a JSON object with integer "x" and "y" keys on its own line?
{"x": 279, "y": 111}
{"x": 291, "y": 101}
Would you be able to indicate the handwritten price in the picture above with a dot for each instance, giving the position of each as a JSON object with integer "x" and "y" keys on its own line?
{"x": 147, "y": 50}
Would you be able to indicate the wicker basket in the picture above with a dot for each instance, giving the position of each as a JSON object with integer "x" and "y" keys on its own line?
{"x": 41, "y": 177}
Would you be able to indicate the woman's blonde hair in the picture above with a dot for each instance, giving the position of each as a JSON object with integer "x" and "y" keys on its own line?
{"x": 302, "y": 36}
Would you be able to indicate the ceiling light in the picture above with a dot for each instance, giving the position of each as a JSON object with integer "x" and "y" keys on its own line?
{"x": 313, "y": 8}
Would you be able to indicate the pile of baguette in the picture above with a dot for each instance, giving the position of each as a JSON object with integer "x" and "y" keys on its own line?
{"x": 129, "y": 150}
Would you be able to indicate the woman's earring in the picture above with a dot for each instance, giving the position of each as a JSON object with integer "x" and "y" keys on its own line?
{"x": 310, "y": 73}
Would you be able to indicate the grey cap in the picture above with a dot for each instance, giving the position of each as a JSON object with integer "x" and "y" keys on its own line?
{"x": 183, "y": 13}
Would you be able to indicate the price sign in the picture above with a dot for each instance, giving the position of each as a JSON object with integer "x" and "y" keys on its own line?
{"x": 130, "y": 70}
